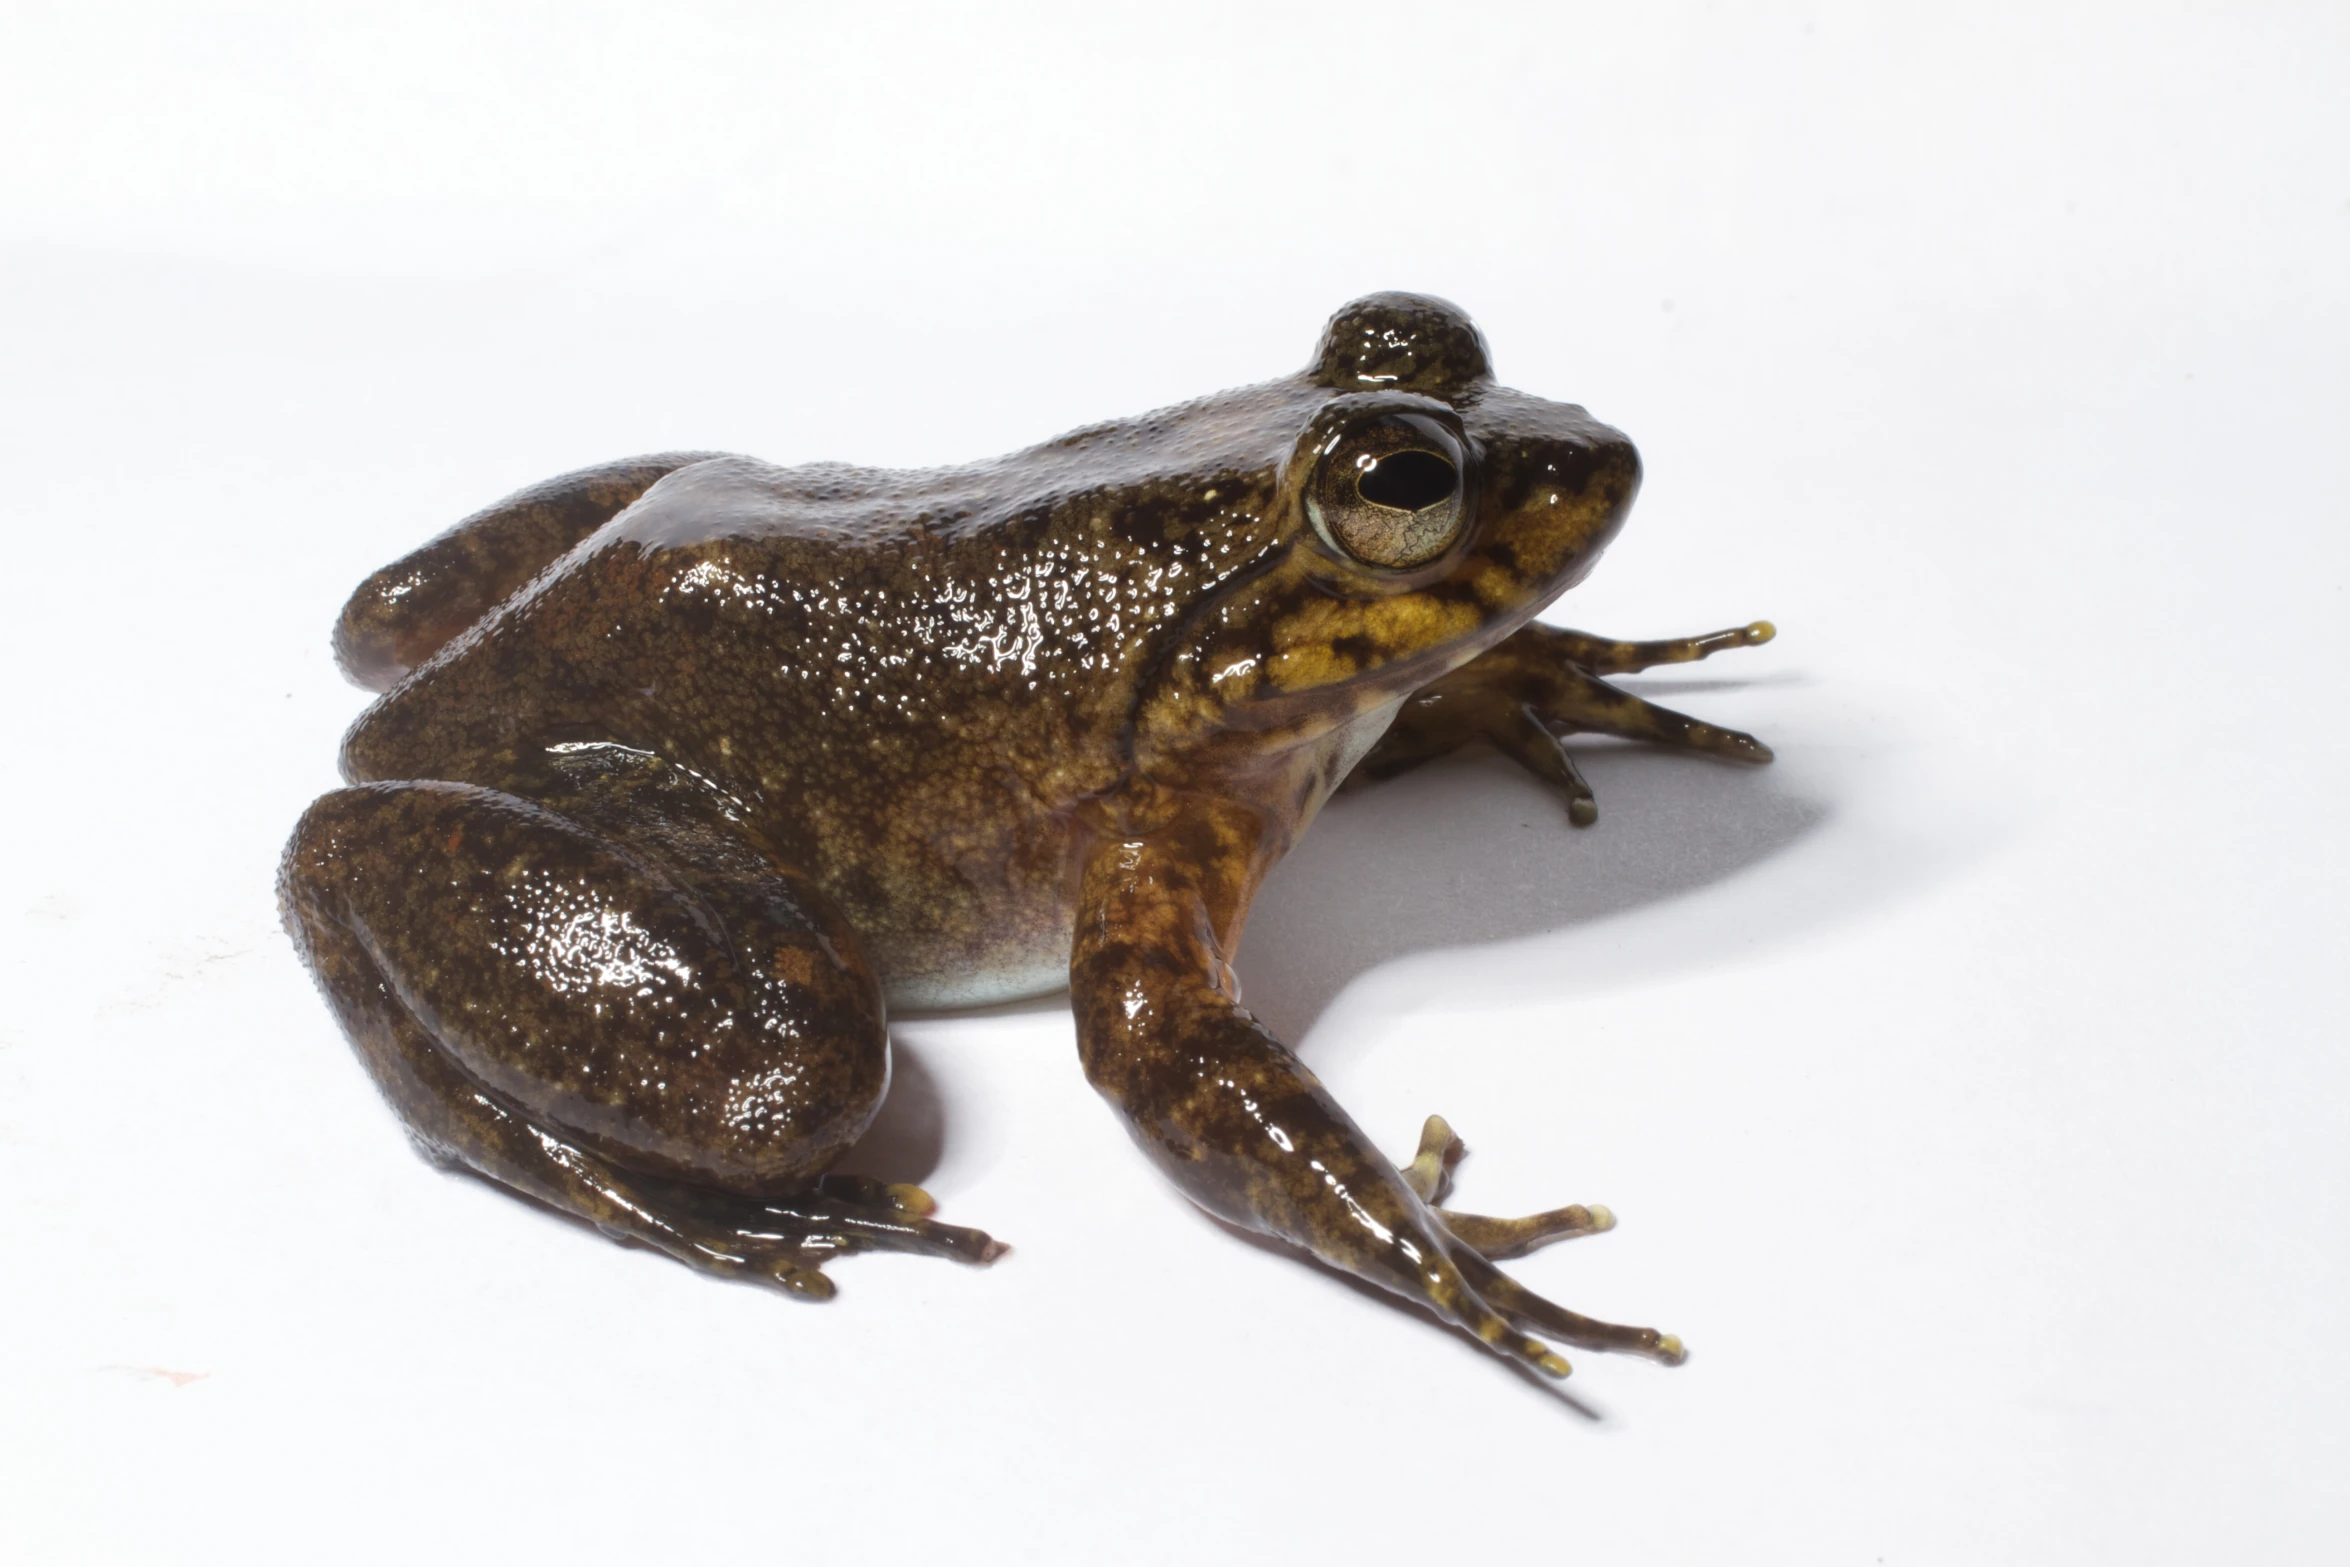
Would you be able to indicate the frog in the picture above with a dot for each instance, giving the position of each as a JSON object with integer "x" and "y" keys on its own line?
{"x": 686, "y": 771}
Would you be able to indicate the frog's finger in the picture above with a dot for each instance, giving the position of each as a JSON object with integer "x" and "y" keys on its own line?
{"x": 1528, "y": 741}
{"x": 1441, "y": 1278}
{"x": 1430, "y": 1171}
{"x": 1494, "y": 1239}
{"x": 1587, "y": 703}
{"x": 1429, "y": 1175}
{"x": 1534, "y": 1314}
{"x": 1494, "y": 1330}
{"x": 1603, "y": 656}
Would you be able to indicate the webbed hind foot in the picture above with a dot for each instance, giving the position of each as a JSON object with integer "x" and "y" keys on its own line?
{"x": 785, "y": 1241}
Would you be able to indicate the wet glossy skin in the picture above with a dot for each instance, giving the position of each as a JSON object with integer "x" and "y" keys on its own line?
{"x": 685, "y": 764}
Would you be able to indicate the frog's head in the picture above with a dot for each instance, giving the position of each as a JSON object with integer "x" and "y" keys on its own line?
{"x": 1424, "y": 513}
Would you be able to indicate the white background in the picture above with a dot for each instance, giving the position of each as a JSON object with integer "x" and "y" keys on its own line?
{"x": 1970, "y": 1084}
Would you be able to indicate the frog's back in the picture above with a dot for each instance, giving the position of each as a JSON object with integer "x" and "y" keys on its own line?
{"x": 910, "y": 679}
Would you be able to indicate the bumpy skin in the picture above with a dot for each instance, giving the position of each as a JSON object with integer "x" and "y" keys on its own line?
{"x": 684, "y": 763}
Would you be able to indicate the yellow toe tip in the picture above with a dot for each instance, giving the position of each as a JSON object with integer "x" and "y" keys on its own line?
{"x": 805, "y": 1284}
{"x": 1760, "y": 632}
{"x": 1602, "y": 1216}
{"x": 912, "y": 1200}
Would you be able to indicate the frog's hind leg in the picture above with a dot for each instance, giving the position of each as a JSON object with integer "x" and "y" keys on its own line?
{"x": 1541, "y": 684}
{"x": 662, "y": 1033}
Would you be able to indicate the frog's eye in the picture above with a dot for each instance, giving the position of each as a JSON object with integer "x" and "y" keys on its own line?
{"x": 1390, "y": 495}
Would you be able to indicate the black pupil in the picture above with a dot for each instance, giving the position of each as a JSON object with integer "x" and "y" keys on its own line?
{"x": 1407, "y": 481}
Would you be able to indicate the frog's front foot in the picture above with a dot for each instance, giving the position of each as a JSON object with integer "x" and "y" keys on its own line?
{"x": 1541, "y": 684}
{"x": 1430, "y": 1175}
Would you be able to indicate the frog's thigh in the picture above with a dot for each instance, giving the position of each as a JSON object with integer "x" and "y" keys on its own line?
{"x": 512, "y": 975}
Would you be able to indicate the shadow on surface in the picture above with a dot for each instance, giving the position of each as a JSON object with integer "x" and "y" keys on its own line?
{"x": 1471, "y": 850}
{"x": 909, "y": 1136}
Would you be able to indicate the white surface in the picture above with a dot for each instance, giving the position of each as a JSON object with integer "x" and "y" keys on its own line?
{"x": 1971, "y": 1084}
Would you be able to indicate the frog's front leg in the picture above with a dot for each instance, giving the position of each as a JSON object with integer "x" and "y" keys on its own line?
{"x": 1541, "y": 684}
{"x": 622, "y": 1008}
{"x": 1238, "y": 1122}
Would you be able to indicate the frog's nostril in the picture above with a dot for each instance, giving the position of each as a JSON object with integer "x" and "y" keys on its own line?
{"x": 1407, "y": 481}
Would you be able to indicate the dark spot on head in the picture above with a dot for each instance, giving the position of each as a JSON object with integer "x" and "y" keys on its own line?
{"x": 1361, "y": 649}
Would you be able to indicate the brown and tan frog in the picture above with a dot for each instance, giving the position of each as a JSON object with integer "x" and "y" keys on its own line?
{"x": 687, "y": 767}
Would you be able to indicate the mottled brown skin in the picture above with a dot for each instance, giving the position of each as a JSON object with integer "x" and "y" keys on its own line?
{"x": 684, "y": 764}
{"x": 405, "y": 612}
